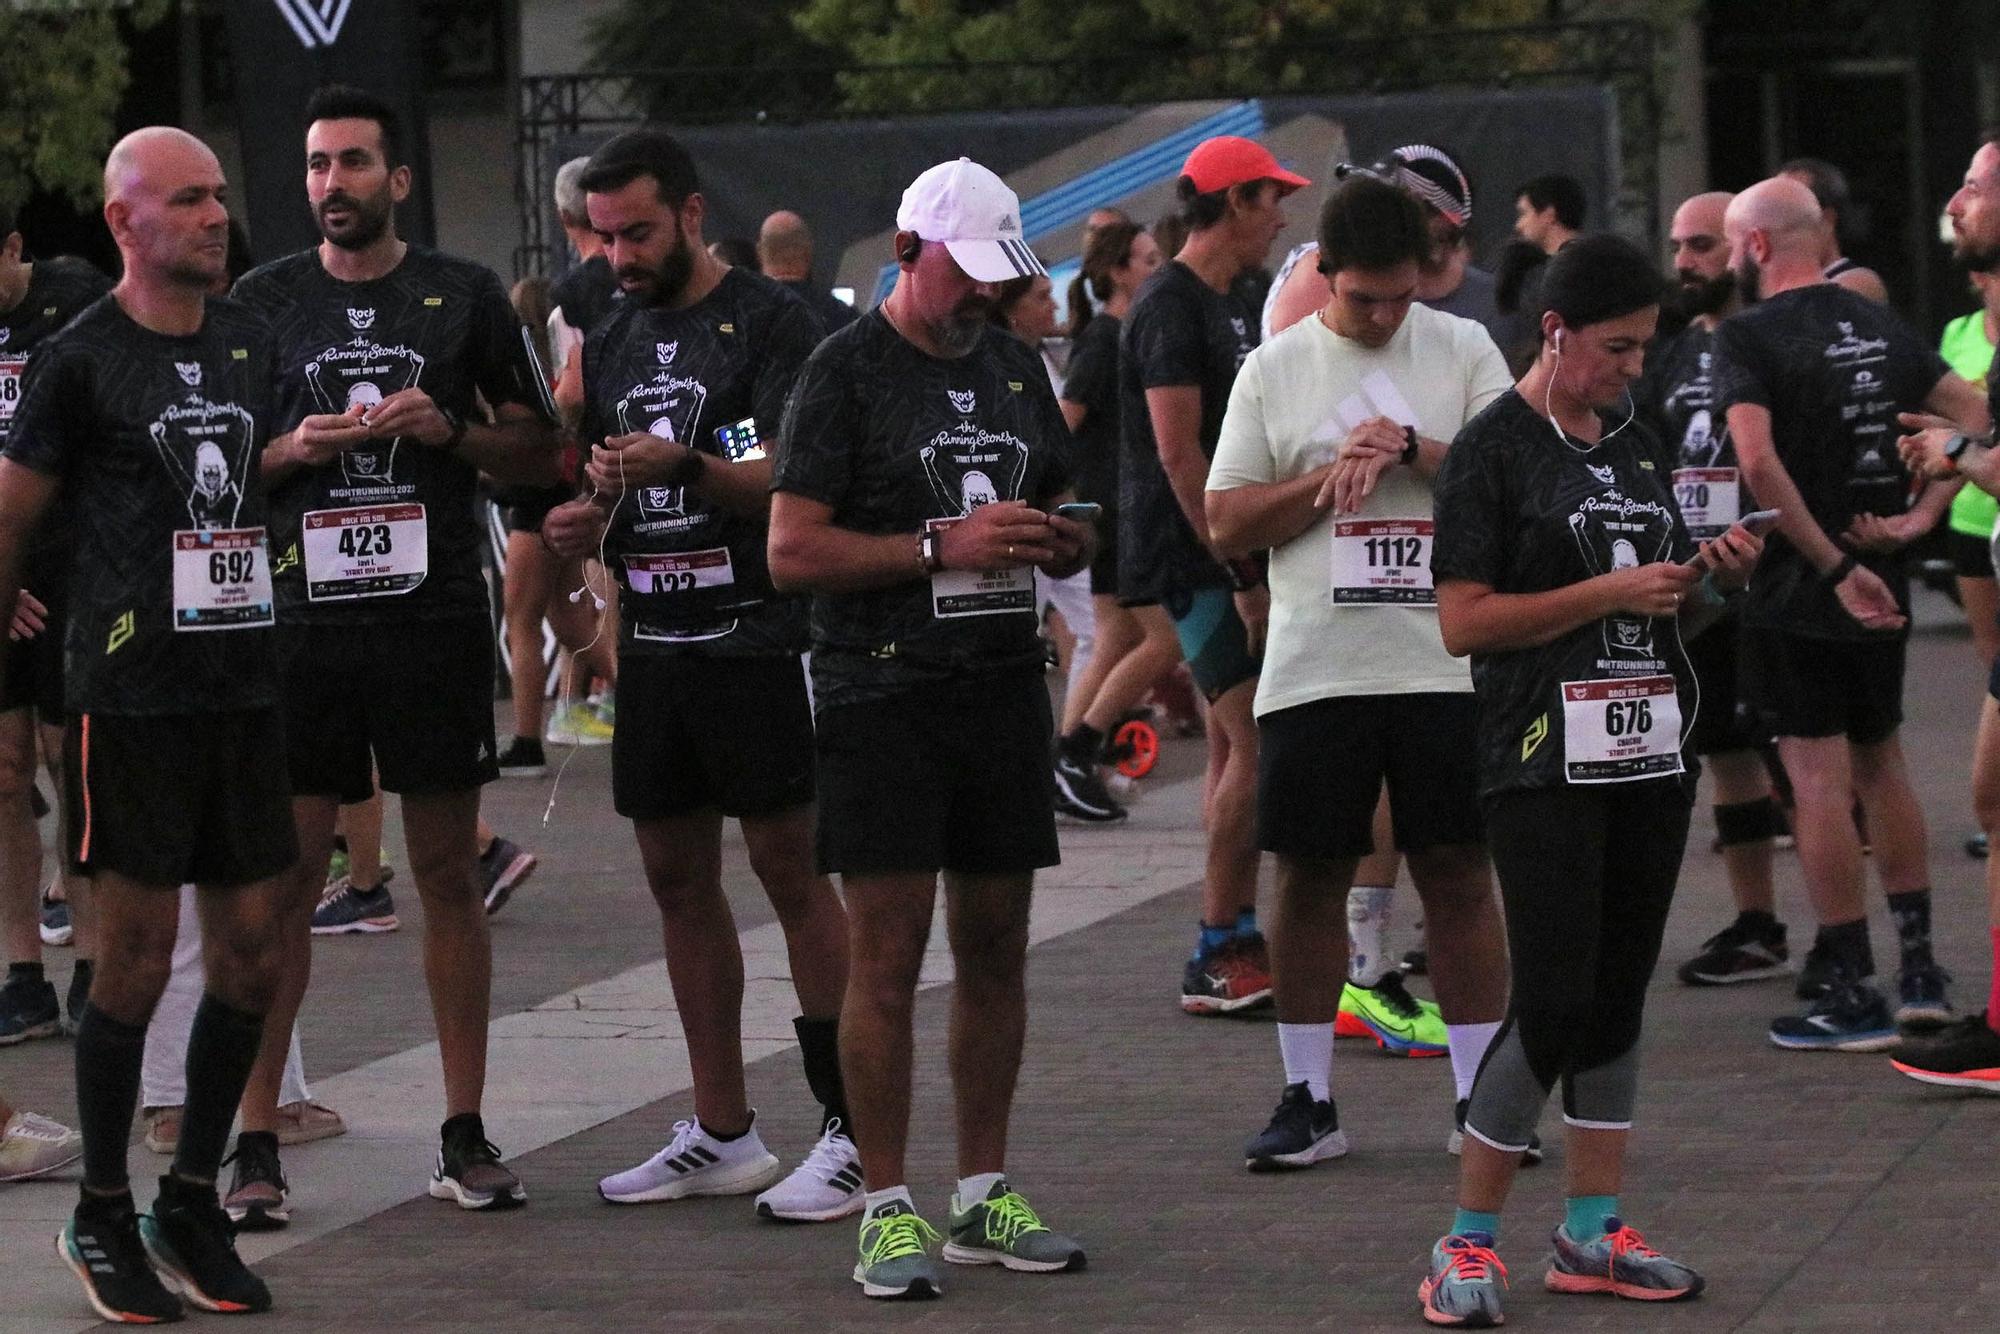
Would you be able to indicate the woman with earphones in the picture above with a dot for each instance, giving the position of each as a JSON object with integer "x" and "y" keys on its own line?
{"x": 1563, "y": 569}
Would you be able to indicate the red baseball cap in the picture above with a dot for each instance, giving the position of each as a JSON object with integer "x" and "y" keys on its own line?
{"x": 1228, "y": 159}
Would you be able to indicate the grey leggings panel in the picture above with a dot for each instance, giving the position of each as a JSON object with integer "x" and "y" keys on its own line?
{"x": 1587, "y": 875}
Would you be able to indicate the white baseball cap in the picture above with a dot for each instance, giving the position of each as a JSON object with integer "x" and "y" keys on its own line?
{"x": 977, "y": 218}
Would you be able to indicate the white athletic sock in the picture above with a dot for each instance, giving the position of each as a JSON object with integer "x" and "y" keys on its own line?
{"x": 977, "y": 1187}
{"x": 1308, "y": 1053}
{"x": 1468, "y": 1047}
{"x": 878, "y": 1198}
{"x": 1368, "y": 934}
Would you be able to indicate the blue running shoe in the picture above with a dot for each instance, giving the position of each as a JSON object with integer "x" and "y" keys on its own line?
{"x": 1465, "y": 1283}
{"x": 1851, "y": 1016}
{"x": 1622, "y": 1264}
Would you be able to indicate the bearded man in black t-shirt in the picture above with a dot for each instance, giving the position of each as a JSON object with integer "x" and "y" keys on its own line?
{"x": 684, "y": 386}
{"x": 149, "y": 413}
{"x": 385, "y": 353}
{"x": 1810, "y": 380}
{"x": 921, "y": 459}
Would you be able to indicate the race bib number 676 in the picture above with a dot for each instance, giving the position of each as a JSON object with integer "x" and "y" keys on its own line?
{"x": 1615, "y": 731}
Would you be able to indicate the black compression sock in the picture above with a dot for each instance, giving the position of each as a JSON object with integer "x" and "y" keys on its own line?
{"x": 819, "y": 1045}
{"x": 1082, "y": 743}
{"x": 1912, "y": 914}
{"x": 1848, "y": 944}
{"x": 222, "y": 1047}
{"x": 109, "y": 1056}
{"x": 29, "y": 974}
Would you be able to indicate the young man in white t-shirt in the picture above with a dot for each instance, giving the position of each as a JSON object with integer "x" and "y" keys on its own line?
{"x": 1334, "y": 431}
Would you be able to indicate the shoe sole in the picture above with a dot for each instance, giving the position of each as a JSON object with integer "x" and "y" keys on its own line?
{"x": 379, "y": 926}
{"x": 448, "y": 1189}
{"x": 523, "y": 770}
{"x": 48, "y": 1029}
{"x": 259, "y": 1217}
{"x": 1437, "y": 1317}
{"x": 916, "y": 1290}
{"x": 1556, "y": 1280}
{"x": 511, "y": 879}
{"x": 45, "y": 1169}
{"x": 1860, "y": 1042}
{"x": 739, "y": 1182}
{"x": 1068, "y": 803}
{"x": 1922, "y": 1019}
{"x": 977, "y": 1255}
{"x": 169, "y": 1265}
{"x": 1347, "y": 1025}
{"x": 1329, "y": 1146}
{"x": 1397, "y": 1045}
{"x": 57, "y": 938}
{"x": 853, "y": 1206}
{"x": 1207, "y": 1005}
{"x": 97, "y": 1304}
{"x": 1979, "y": 1081}
{"x": 1730, "y": 979}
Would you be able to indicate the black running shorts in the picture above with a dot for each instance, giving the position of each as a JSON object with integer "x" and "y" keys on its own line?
{"x": 165, "y": 801}
{"x": 414, "y": 697}
{"x": 35, "y": 673}
{"x": 1321, "y": 765}
{"x": 954, "y": 777}
{"x": 1725, "y": 721}
{"x": 732, "y": 734}
{"x": 1824, "y": 687}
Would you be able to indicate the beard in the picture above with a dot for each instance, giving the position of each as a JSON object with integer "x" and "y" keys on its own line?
{"x": 368, "y": 221}
{"x": 958, "y": 333}
{"x": 661, "y": 286}
{"x": 1973, "y": 256}
{"x": 1706, "y": 296}
{"x": 1749, "y": 280}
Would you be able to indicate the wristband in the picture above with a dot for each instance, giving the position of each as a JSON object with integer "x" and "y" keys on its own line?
{"x": 1244, "y": 575}
{"x": 930, "y": 551}
{"x": 457, "y": 436}
{"x": 689, "y": 470}
{"x": 1842, "y": 570}
{"x": 1409, "y": 445}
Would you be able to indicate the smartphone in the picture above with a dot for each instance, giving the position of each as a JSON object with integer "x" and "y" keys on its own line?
{"x": 1080, "y": 511}
{"x": 1756, "y": 523}
{"x": 739, "y": 441}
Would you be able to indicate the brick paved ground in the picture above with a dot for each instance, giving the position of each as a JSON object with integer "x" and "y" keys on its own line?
{"x": 1816, "y": 1191}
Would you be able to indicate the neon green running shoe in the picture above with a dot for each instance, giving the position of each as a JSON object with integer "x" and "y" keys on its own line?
{"x": 1402, "y": 1024}
{"x": 1003, "y": 1230}
{"x": 895, "y": 1254}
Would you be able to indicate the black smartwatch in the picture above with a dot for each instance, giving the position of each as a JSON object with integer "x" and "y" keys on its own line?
{"x": 1954, "y": 448}
{"x": 457, "y": 436}
{"x": 931, "y": 550}
{"x": 689, "y": 470}
{"x": 1409, "y": 445}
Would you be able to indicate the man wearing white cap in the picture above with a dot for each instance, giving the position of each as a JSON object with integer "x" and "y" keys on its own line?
{"x": 919, "y": 470}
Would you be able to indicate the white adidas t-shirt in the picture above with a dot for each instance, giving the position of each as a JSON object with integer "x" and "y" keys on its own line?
{"x": 1352, "y": 611}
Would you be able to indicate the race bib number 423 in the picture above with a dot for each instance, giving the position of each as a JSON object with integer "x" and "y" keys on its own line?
{"x": 1615, "y": 731}
{"x": 1382, "y": 561}
{"x": 368, "y": 551}
{"x": 222, "y": 579}
{"x": 662, "y": 573}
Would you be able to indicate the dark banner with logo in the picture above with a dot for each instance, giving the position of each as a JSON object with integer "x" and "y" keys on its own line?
{"x": 284, "y": 49}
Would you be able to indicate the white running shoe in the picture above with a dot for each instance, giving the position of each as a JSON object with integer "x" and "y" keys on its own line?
{"x": 33, "y": 1146}
{"x": 696, "y": 1163}
{"x": 826, "y": 1186}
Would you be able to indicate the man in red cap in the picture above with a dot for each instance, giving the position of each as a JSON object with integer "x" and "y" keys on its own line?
{"x": 1182, "y": 345}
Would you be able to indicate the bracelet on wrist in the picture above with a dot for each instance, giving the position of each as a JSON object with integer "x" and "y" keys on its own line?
{"x": 1410, "y": 445}
{"x": 1842, "y": 570}
{"x": 457, "y": 435}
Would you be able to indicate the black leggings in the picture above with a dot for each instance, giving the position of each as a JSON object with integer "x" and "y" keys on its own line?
{"x": 1587, "y": 875}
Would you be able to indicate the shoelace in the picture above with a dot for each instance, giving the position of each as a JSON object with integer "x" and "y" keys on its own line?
{"x": 1397, "y": 996}
{"x": 1473, "y": 1263}
{"x": 896, "y": 1236}
{"x": 685, "y": 1133}
{"x": 259, "y": 1164}
{"x": 1627, "y": 1241}
{"x": 1008, "y": 1217}
{"x": 833, "y": 1152}
{"x": 28, "y": 1125}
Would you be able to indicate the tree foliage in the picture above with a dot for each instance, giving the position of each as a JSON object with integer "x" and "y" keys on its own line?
{"x": 62, "y": 72}
{"x": 729, "y": 54}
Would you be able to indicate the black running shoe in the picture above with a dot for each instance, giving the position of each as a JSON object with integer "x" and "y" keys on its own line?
{"x": 1455, "y": 1143}
{"x": 101, "y": 1245}
{"x": 1921, "y": 1004}
{"x": 1302, "y": 1132}
{"x": 524, "y": 758}
{"x": 1740, "y": 952}
{"x": 469, "y": 1170}
{"x": 1081, "y": 794}
{"x": 28, "y": 1009}
{"x": 1417, "y": 962}
{"x": 1964, "y": 1055}
{"x": 1849, "y": 1016}
{"x": 1817, "y": 975}
{"x": 258, "y": 1199}
{"x": 192, "y": 1242}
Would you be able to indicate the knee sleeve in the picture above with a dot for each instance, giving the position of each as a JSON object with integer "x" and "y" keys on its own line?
{"x": 1748, "y": 822}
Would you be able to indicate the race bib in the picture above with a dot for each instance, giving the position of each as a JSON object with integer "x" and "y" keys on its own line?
{"x": 1615, "y": 731}
{"x": 1710, "y": 500}
{"x": 1382, "y": 562}
{"x": 679, "y": 571}
{"x": 222, "y": 579}
{"x": 11, "y": 369}
{"x": 369, "y": 551}
{"x": 980, "y": 592}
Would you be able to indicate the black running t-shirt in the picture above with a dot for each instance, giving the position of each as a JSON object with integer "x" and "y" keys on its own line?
{"x": 695, "y": 576}
{"x": 155, "y": 440}
{"x": 1521, "y": 511}
{"x": 1179, "y": 332}
{"x": 1834, "y": 369}
{"x": 1092, "y": 380}
{"x": 586, "y": 293}
{"x": 894, "y": 440}
{"x": 1676, "y": 399}
{"x": 391, "y": 532}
